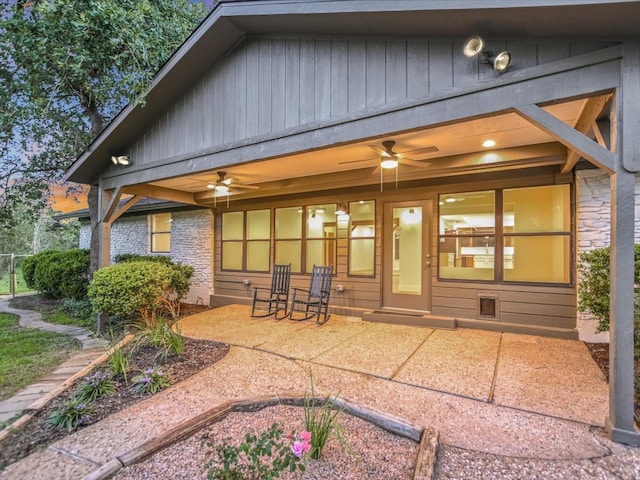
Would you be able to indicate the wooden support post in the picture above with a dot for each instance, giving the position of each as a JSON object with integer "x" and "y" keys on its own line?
{"x": 620, "y": 421}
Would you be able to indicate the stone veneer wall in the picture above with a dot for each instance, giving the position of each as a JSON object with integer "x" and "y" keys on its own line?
{"x": 593, "y": 225}
{"x": 191, "y": 244}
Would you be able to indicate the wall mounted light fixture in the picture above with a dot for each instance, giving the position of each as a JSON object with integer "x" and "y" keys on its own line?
{"x": 120, "y": 160}
{"x": 342, "y": 209}
{"x": 474, "y": 47}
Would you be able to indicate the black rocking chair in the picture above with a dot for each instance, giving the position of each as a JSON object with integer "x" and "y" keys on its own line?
{"x": 277, "y": 297}
{"x": 315, "y": 301}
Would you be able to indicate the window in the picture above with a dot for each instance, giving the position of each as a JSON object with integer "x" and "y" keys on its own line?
{"x": 532, "y": 225}
{"x": 537, "y": 234}
{"x": 250, "y": 244}
{"x": 258, "y": 240}
{"x": 362, "y": 243}
{"x": 289, "y": 237}
{"x": 303, "y": 237}
{"x": 320, "y": 238}
{"x": 160, "y": 232}
{"x": 232, "y": 240}
{"x": 467, "y": 236}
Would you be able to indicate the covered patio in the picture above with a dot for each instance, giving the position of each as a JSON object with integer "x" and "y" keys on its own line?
{"x": 519, "y": 373}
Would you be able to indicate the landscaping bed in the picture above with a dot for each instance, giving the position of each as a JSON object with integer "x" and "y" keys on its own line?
{"x": 600, "y": 354}
{"x": 37, "y": 434}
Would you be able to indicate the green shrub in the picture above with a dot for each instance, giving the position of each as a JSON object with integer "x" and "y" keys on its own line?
{"x": 595, "y": 283}
{"x": 58, "y": 274}
{"x": 29, "y": 270}
{"x": 134, "y": 257}
{"x": 143, "y": 289}
{"x": 180, "y": 282}
{"x": 78, "y": 309}
{"x": 262, "y": 456}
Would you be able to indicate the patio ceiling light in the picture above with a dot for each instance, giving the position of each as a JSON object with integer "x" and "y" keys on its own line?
{"x": 389, "y": 163}
{"x": 342, "y": 209}
{"x": 474, "y": 47}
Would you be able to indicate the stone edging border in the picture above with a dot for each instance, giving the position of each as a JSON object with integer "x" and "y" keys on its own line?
{"x": 40, "y": 403}
{"x": 427, "y": 436}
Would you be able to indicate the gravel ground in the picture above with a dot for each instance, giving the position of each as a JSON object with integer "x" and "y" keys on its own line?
{"x": 459, "y": 464}
{"x": 377, "y": 454}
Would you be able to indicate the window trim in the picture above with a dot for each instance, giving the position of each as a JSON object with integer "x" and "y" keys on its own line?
{"x": 153, "y": 232}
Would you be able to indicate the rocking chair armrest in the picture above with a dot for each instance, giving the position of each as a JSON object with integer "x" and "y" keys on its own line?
{"x": 300, "y": 290}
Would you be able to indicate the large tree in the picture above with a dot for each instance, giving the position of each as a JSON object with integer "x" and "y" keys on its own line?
{"x": 67, "y": 67}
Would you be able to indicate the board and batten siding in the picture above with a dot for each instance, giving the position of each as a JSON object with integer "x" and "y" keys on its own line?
{"x": 266, "y": 85}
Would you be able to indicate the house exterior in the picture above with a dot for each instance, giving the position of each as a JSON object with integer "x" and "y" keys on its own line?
{"x": 277, "y": 117}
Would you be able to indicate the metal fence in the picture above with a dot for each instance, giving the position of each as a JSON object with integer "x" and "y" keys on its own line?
{"x": 11, "y": 280}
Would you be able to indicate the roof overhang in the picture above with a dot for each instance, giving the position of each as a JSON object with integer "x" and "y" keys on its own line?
{"x": 231, "y": 20}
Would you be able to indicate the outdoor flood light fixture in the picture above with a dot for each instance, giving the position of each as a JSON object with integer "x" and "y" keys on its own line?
{"x": 474, "y": 47}
{"x": 120, "y": 160}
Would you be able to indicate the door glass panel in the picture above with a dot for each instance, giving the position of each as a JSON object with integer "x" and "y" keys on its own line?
{"x": 407, "y": 250}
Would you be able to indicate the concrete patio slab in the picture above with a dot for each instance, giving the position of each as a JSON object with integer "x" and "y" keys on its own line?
{"x": 381, "y": 349}
{"x": 314, "y": 340}
{"x": 456, "y": 361}
{"x": 551, "y": 376}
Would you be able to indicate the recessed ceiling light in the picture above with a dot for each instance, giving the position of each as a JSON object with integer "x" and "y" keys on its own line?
{"x": 489, "y": 143}
{"x": 450, "y": 200}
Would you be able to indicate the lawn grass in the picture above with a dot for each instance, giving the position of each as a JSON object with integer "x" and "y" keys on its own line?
{"x": 51, "y": 311}
{"x": 28, "y": 354}
{"x": 21, "y": 286}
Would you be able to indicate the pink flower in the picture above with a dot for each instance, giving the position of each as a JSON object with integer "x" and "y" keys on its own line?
{"x": 306, "y": 446}
{"x": 297, "y": 448}
{"x": 305, "y": 436}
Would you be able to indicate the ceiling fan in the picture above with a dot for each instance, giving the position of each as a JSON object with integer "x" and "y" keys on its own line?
{"x": 389, "y": 159}
{"x": 224, "y": 186}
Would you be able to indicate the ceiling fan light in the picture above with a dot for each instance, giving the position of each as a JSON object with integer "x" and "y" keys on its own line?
{"x": 222, "y": 189}
{"x": 389, "y": 163}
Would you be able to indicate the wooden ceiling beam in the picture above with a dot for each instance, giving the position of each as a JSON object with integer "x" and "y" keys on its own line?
{"x": 585, "y": 124}
{"x": 161, "y": 193}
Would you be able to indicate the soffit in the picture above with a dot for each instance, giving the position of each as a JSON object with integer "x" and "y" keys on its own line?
{"x": 459, "y": 147}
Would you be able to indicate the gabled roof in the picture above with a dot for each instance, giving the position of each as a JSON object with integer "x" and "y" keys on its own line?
{"x": 231, "y": 20}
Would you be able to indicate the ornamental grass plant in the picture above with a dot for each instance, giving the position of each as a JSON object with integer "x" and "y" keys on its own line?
{"x": 321, "y": 420}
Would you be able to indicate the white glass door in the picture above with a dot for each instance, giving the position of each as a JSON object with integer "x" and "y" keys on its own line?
{"x": 407, "y": 260}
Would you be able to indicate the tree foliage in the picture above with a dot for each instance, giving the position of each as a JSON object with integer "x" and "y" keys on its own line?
{"x": 66, "y": 69}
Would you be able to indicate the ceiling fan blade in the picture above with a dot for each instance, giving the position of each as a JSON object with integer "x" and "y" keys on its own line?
{"x": 243, "y": 187}
{"x": 413, "y": 163}
{"x": 380, "y": 151}
{"x": 347, "y": 162}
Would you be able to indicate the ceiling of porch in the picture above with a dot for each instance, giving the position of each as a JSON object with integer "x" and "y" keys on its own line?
{"x": 518, "y": 144}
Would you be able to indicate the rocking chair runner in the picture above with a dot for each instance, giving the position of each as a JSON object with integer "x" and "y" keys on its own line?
{"x": 277, "y": 297}
{"x": 315, "y": 301}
